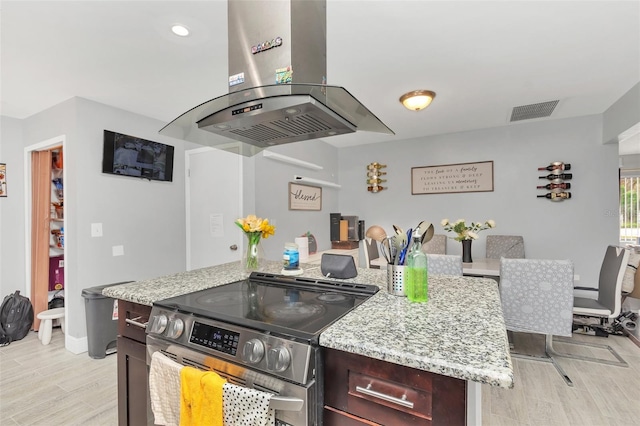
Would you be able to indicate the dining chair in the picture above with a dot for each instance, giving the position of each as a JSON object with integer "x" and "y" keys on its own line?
{"x": 444, "y": 264}
{"x": 509, "y": 246}
{"x": 537, "y": 297}
{"x": 608, "y": 304}
{"x": 436, "y": 245}
{"x": 370, "y": 252}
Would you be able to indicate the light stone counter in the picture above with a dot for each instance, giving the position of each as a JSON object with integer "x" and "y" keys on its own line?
{"x": 460, "y": 332}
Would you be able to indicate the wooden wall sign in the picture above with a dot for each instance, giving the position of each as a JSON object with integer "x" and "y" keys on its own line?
{"x": 304, "y": 197}
{"x": 451, "y": 178}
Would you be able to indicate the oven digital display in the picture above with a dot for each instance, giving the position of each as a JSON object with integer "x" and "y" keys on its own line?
{"x": 215, "y": 338}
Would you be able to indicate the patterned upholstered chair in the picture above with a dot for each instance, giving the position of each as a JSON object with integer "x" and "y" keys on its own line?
{"x": 444, "y": 264}
{"x": 437, "y": 245}
{"x": 537, "y": 297}
{"x": 510, "y": 246}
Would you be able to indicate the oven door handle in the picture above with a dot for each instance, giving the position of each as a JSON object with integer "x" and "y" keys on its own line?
{"x": 284, "y": 403}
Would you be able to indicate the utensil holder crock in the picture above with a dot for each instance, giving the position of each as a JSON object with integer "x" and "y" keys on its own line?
{"x": 395, "y": 279}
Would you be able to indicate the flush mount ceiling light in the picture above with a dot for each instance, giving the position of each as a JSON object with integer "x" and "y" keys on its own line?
{"x": 180, "y": 30}
{"x": 417, "y": 99}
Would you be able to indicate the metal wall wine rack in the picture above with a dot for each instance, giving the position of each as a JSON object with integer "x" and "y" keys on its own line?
{"x": 557, "y": 177}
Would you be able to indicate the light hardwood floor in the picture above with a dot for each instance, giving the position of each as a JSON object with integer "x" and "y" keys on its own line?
{"x": 47, "y": 385}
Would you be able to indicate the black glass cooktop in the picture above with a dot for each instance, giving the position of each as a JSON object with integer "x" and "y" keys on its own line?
{"x": 273, "y": 303}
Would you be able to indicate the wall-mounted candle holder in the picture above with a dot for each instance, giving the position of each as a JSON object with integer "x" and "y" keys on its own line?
{"x": 374, "y": 177}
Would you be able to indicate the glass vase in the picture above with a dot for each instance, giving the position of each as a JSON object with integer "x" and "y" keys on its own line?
{"x": 466, "y": 251}
{"x": 253, "y": 256}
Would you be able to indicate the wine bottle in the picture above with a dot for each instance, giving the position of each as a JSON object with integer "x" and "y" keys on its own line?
{"x": 375, "y": 173}
{"x": 374, "y": 166}
{"x": 563, "y": 185}
{"x": 556, "y": 166}
{"x": 375, "y": 188}
{"x": 375, "y": 181}
{"x": 556, "y": 195}
{"x": 552, "y": 176}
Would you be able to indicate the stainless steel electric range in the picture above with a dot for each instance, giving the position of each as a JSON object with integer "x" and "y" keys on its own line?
{"x": 261, "y": 333}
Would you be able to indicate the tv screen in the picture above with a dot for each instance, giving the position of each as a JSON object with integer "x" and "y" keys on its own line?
{"x": 132, "y": 156}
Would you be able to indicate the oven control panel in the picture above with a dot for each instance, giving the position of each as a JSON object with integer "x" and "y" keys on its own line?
{"x": 282, "y": 357}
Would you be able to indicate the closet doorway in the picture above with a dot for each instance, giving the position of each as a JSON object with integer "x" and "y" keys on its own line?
{"x": 45, "y": 224}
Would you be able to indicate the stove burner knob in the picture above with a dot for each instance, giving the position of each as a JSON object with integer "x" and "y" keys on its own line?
{"x": 278, "y": 359}
{"x": 253, "y": 351}
{"x": 159, "y": 324}
{"x": 175, "y": 329}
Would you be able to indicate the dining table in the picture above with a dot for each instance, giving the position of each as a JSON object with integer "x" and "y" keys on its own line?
{"x": 480, "y": 267}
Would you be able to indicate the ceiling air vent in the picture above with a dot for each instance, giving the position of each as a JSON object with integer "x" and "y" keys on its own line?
{"x": 526, "y": 112}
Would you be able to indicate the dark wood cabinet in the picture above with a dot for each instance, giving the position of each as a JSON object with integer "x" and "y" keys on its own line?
{"x": 133, "y": 394}
{"x": 364, "y": 391}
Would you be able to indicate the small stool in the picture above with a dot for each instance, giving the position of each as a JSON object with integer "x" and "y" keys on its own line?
{"x": 46, "y": 324}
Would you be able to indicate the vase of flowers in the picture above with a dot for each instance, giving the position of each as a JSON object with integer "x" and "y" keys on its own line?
{"x": 255, "y": 228}
{"x": 466, "y": 233}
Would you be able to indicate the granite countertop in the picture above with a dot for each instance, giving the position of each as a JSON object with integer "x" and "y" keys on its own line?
{"x": 460, "y": 332}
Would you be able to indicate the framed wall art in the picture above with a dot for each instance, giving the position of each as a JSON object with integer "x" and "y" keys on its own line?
{"x": 3, "y": 180}
{"x": 452, "y": 178}
{"x": 304, "y": 197}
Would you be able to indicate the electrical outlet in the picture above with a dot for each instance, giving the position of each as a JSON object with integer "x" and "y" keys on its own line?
{"x": 117, "y": 250}
{"x": 96, "y": 230}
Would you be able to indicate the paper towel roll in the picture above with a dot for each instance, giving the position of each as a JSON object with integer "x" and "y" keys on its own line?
{"x": 303, "y": 248}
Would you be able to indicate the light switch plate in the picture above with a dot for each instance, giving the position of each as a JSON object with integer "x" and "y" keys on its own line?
{"x": 117, "y": 250}
{"x": 96, "y": 230}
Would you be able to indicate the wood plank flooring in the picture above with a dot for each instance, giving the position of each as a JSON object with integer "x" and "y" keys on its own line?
{"x": 47, "y": 385}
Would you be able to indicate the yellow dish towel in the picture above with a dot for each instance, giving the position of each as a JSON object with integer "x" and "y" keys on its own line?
{"x": 200, "y": 398}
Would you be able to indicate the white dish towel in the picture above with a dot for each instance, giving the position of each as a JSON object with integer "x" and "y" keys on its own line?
{"x": 164, "y": 389}
{"x": 246, "y": 407}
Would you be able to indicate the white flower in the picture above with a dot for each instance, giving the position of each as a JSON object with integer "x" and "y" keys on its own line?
{"x": 472, "y": 235}
{"x": 444, "y": 222}
{"x": 491, "y": 223}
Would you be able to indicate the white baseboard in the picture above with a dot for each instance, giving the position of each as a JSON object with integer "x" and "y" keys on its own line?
{"x": 76, "y": 345}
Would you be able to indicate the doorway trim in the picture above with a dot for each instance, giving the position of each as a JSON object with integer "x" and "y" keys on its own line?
{"x": 45, "y": 145}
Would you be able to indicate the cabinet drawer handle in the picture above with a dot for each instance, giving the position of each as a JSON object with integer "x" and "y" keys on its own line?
{"x": 136, "y": 322}
{"x": 400, "y": 401}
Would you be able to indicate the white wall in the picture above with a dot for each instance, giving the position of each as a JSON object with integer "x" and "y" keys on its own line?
{"x": 11, "y": 209}
{"x": 622, "y": 115}
{"x": 147, "y": 218}
{"x": 578, "y": 229}
{"x": 272, "y": 188}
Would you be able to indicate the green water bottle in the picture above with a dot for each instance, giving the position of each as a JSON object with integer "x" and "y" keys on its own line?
{"x": 416, "y": 284}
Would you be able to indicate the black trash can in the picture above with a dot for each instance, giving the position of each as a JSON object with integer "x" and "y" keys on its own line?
{"x": 102, "y": 328}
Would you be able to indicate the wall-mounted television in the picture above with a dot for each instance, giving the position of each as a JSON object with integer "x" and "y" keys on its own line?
{"x": 131, "y": 156}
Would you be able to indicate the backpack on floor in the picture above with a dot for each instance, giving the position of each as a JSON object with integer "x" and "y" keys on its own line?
{"x": 16, "y": 317}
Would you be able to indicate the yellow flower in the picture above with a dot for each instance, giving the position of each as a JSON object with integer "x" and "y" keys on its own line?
{"x": 254, "y": 224}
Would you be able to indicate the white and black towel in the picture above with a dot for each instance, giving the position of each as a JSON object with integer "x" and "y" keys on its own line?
{"x": 246, "y": 407}
{"x": 164, "y": 389}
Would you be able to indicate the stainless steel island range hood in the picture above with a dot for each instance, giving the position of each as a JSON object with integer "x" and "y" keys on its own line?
{"x": 277, "y": 95}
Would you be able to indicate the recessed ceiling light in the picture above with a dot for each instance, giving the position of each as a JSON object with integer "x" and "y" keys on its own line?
{"x": 180, "y": 30}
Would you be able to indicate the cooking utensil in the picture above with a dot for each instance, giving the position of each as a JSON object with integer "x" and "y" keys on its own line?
{"x": 398, "y": 230}
{"x": 403, "y": 253}
{"x": 425, "y": 230}
{"x": 385, "y": 247}
{"x": 400, "y": 241}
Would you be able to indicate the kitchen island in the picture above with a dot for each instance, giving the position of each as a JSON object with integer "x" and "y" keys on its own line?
{"x": 459, "y": 333}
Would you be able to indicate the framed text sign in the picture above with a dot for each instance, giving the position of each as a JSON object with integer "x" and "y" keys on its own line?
{"x": 449, "y": 178}
{"x": 304, "y": 197}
